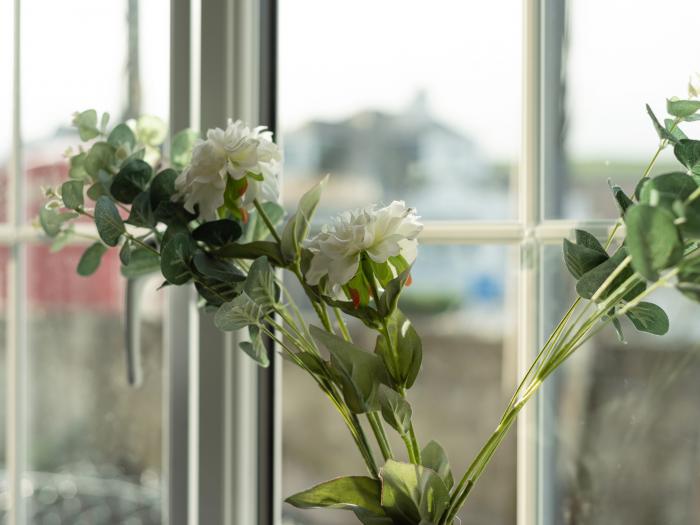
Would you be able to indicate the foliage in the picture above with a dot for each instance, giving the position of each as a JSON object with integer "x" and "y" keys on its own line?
{"x": 234, "y": 261}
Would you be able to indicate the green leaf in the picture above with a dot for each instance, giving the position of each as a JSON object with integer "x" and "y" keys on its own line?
{"x": 618, "y": 329}
{"x": 691, "y": 227}
{"x": 584, "y": 255}
{"x": 141, "y": 213}
{"x": 260, "y": 284}
{"x": 91, "y": 258}
{"x": 348, "y": 493}
{"x": 141, "y": 262}
{"x": 72, "y": 194}
{"x": 412, "y": 493}
{"x": 181, "y": 147}
{"x": 77, "y": 167}
{"x": 218, "y": 233}
{"x": 390, "y": 297}
{"x": 410, "y": 351}
{"x": 255, "y": 348}
{"x": 131, "y": 180}
{"x": 151, "y": 130}
{"x": 653, "y": 240}
{"x": 109, "y": 224}
{"x": 593, "y": 279}
{"x": 63, "y": 239}
{"x": 682, "y": 108}
{"x": 86, "y": 122}
{"x": 100, "y": 157}
{"x": 252, "y": 250}
{"x": 297, "y": 227}
{"x": 396, "y": 411}
{"x": 664, "y": 190}
{"x": 648, "y": 317}
{"x": 674, "y": 130}
{"x": 661, "y": 131}
{"x": 434, "y": 457}
{"x": 216, "y": 269}
{"x": 689, "y": 280}
{"x": 275, "y": 213}
{"x": 238, "y": 314}
{"x": 122, "y": 136}
{"x": 688, "y": 153}
{"x": 175, "y": 258}
{"x": 163, "y": 187}
{"x": 621, "y": 198}
{"x": 358, "y": 373}
{"x": 52, "y": 220}
{"x": 125, "y": 253}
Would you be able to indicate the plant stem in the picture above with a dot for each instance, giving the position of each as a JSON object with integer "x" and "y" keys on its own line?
{"x": 267, "y": 221}
{"x": 341, "y": 324}
{"x": 378, "y": 429}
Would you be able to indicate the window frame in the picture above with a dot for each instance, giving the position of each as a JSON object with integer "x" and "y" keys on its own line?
{"x": 222, "y": 450}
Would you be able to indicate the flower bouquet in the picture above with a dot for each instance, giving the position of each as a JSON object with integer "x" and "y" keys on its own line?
{"x": 208, "y": 215}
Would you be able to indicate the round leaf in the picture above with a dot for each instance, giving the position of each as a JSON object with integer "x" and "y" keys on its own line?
{"x": 91, "y": 258}
{"x": 109, "y": 224}
{"x": 653, "y": 240}
{"x": 175, "y": 258}
{"x": 131, "y": 180}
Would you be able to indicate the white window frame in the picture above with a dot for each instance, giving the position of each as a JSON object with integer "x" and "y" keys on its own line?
{"x": 222, "y": 451}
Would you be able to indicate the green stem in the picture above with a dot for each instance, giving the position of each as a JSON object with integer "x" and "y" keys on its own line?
{"x": 379, "y": 433}
{"x": 267, "y": 221}
{"x": 341, "y": 324}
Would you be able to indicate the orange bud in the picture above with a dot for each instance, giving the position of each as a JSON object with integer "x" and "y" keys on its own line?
{"x": 409, "y": 281}
{"x": 355, "y": 296}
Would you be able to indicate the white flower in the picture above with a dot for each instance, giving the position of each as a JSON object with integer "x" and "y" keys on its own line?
{"x": 380, "y": 233}
{"x": 234, "y": 152}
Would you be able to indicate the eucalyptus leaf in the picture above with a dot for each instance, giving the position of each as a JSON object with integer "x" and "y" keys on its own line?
{"x": 661, "y": 131}
{"x": 132, "y": 179}
{"x": 141, "y": 262}
{"x": 181, "y": 147}
{"x": 584, "y": 255}
{"x": 122, "y": 136}
{"x": 682, "y": 108}
{"x": 109, "y": 223}
{"x": 434, "y": 457}
{"x": 688, "y": 153}
{"x": 141, "y": 213}
{"x": 125, "y": 253}
{"x": 216, "y": 269}
{"x": 653, "y": 240}
{"x": 664, "y": 190}
{"x": 77, "y": 167}
{"x": 216, "y": 292}
{"x": 91, "y": 258}
{"x": 52, "y": 220}
{"x": 162, "y": 187}
{"x": 176, "y": 257}
{"x": 396, "y": 411}
{"x": 674, "y": 130}
{"x": 648, "y": 317}
{"x": 218, "y": 233}
{"x": 592, "y": 280}
{"x": 252, "y": 250}
{"x": 412, "y": 493}
{"x": 72, "y": 194}
{"x": 621, "y": 198}
{"x": 100, "y": 157}
{"x": 86, "y": 122}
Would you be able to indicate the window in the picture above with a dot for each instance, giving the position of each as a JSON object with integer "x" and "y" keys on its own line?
{"x": 488, "y": 118}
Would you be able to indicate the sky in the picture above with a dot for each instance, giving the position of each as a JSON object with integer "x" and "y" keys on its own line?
{"x": 337, "y": 58}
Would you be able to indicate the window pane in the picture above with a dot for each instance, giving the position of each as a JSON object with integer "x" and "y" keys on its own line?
{"x": 401, "y": 100}
{"x": 608, "y": 76}
{"x": 460, "y": 313}
{"x": 621, "y": 425}
{"x": 94, "y": 444}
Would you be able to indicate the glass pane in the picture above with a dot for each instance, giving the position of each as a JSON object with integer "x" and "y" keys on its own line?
{"x": 94, "y": 443}
{"x": 622, "y": 427}
{"x": 86, "y": 67}
{"x": 459, "y": 310}
{"x": 401, "y": 100}
{"x": 602, "y": 130}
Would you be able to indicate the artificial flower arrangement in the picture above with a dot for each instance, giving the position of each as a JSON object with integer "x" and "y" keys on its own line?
{"x": 209, "y": 216}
